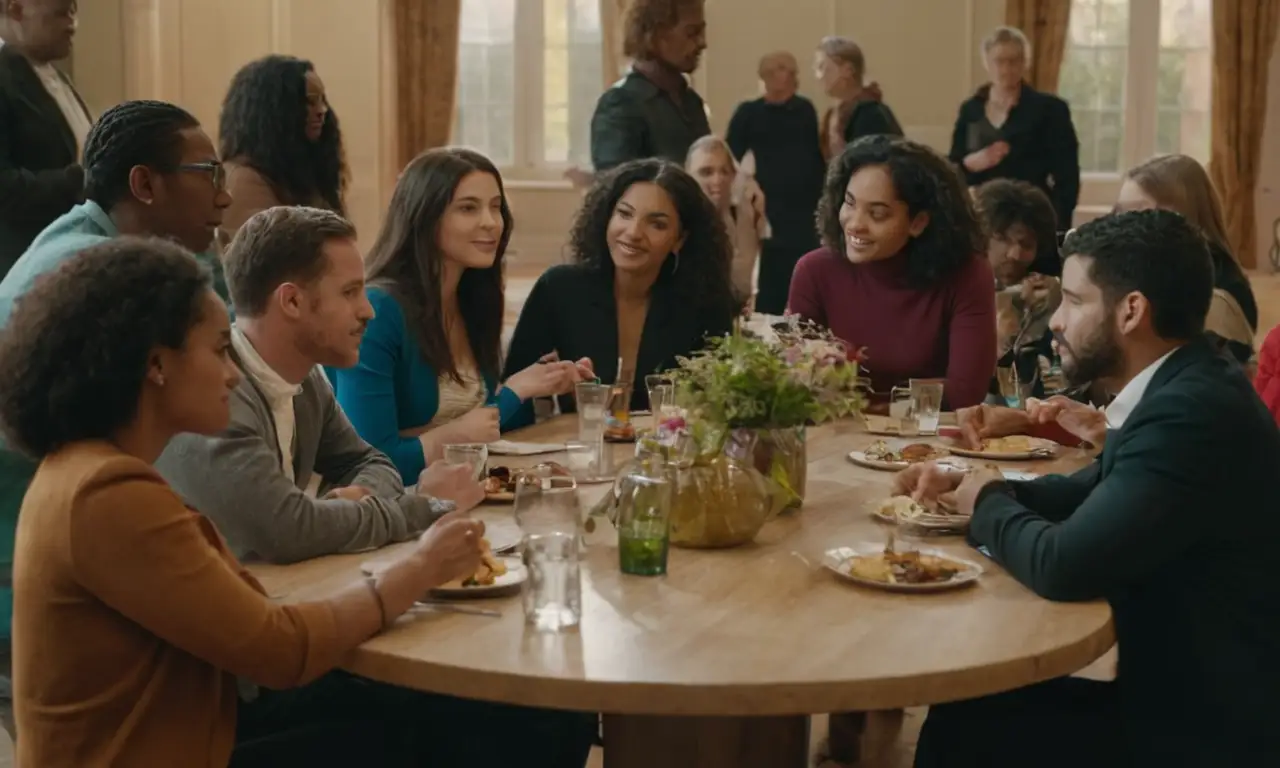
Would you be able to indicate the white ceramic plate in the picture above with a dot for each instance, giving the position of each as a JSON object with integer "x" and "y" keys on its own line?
{"x": 1037, "y": 444}
{"x": 957, "y": 523}
{"x": 860, "y": 458}
{"x": 837, "y": 561}
{"x": 505, "y": 584}
{"x": 1013, "y": 474}
{"x": 513, "y": 448}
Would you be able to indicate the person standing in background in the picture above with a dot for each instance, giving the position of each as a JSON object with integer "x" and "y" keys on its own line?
{"x": 652, "y": 111}
{"x": 43, "y": 122}
{"x": 780, "y": 130}
{"x": 840, "y": 66}
{"x": 1009, "y": 130}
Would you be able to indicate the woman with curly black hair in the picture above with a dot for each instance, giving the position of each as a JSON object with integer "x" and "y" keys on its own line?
{"x": 649, "y": 280}
{"x": 96, "y": 377}
{"x": 903, "y": 272}
{"x": 280, "y": 141}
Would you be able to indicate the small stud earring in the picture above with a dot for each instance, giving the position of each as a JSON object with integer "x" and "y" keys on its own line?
{"x": 160, "y": 379}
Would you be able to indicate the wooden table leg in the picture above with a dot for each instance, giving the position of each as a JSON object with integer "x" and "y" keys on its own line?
{"x": 645, "y": 741}
{"x": 854, "y": 737}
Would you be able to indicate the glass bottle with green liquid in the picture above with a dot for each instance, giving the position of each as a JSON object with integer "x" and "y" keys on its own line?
{"x": 644, "y": 519}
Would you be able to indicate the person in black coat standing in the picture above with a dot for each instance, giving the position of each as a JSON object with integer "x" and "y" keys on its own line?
{"x": 1009, "y": 130}
{"x": 780, "y": 130}
{"x": 1168, "y": 526}
{"x": 43, "y": 123}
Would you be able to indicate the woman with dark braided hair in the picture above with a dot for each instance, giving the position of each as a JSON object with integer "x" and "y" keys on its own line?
{"x": 281, "y": 140}
{"x": 903, "y": 273}
{"x": 649, "y": 280}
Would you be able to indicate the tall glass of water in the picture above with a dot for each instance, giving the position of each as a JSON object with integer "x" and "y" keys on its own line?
{"x": 593, "y": 404}
{"x": 474, "y": 455}
{"x": 662, "y": 396}
{"x": 926, "y": 403}
{"x": 550, "y": 519}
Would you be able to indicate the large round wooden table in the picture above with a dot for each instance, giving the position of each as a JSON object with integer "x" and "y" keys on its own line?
{"x": 720, "y": 662}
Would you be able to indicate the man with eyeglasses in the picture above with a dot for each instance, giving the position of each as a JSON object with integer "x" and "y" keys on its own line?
{"x": 149, "y": 170}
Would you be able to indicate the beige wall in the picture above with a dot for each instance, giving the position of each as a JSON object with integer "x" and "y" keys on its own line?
{"x": 186, "y": 51}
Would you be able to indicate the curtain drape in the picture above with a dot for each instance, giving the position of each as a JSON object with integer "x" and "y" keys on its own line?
{"x": 1244, "y": 33}
{"x": 611, "y": 37}
{"x": 425, "y": 34}
{"x": 1045, "y": 23}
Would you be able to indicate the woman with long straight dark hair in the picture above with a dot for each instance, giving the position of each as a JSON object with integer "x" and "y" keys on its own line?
{"x": 430, "y": 360}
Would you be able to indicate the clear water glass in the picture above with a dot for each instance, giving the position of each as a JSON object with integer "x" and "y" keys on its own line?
{"x": 901, "y": 410}
{"x": 475, "y": 455}
{"x": 593, "y": 404}
{"x": 662, "y": 396}
{"x": 553, "y": 591}
{"x": 926, "y": 404}
{"x": 583, "y": 459}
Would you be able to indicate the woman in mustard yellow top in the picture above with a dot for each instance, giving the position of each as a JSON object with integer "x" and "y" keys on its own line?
{"x": 138, "y": 638}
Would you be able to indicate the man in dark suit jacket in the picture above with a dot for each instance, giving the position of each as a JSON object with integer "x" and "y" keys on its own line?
{"x": 652, "y": 111}
{"x": 40, "y": 176}
{"x": 1169, "y": 526}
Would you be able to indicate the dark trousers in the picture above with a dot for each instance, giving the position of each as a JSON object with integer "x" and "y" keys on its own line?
{"x": 343, "y": 720}
{"x": 1064, "y": 723}
{"x": 777, "y": 262}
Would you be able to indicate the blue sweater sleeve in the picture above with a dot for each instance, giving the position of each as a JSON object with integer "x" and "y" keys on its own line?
{"x": 367, "y": 392}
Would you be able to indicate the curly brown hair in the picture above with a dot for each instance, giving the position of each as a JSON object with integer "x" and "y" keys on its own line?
{"x": 925, "y": 181}
{"x": 704, "y": 260}
{"x": 645, "y": 18}
{"x": 74, "y": 353}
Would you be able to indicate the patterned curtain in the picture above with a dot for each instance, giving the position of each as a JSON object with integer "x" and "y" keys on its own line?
{"x": 426, "y": 53}
{"x": 1244, "y": 33}
{"x": 1045, "y": 23}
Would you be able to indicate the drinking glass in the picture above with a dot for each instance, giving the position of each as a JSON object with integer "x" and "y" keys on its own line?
{"x": 475, "y": 455}
{"x": 662, "y": 396}
{"x": 593, "y": 400}
{"x": 618, "y": 418}
{"x": 545, "y": 504}
{"x": 901, "y": 410}
{"x": 926, "y": 404}
{"x": 644, "y": 522}
{"x": 552, "y": 594}
{"x": 583, "y": 459}
{"x": 1012, "y": 390}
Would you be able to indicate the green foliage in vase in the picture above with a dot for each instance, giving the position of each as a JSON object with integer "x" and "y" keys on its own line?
{"x": 804, "y": 376}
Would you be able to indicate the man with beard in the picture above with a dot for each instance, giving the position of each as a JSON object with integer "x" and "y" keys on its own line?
{"x": 296, "y": 278}
{"x": 1193, "y": 597}
{"x": 652, "y": 111}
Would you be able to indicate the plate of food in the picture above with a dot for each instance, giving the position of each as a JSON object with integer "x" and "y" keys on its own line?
{"x": 496, "y": 576}
{"x": 1010, "y": 448}
{"x": 894, "y": 455}
{"x": 500, "y": 481}
{"x": 915, "y": 570}
{"x": 940, "y": 516}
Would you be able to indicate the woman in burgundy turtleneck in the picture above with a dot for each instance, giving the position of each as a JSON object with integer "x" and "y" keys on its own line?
{"x": 903, "y": 272}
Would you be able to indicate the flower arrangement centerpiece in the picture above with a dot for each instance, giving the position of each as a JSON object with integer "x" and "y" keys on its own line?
{"x": 756, "y": 393}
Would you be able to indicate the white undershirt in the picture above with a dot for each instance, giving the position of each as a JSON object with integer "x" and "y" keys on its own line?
{"x": 77, "y": 118}
{"x": 279, "y": 393}
{"x": 1132, "y": 393}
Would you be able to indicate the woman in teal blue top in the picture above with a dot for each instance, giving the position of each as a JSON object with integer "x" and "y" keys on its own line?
{"x": 431, "y": 357}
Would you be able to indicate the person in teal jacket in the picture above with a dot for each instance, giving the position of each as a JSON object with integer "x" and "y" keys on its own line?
{"x": 149, "y": 170}
{"x": 430, "y": 359}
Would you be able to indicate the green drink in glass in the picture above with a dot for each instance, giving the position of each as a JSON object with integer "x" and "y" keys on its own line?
{"x": 644, "y": 522}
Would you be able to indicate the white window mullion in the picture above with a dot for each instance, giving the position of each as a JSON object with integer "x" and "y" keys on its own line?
{"x": 1141, "y": 78}
{"x": 528, "y": 85}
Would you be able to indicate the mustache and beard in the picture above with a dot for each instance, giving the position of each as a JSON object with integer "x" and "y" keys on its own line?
{"x": 1098, "y": 355}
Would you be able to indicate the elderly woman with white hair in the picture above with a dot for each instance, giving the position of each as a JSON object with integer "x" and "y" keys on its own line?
{"x": 1009, "y": 130}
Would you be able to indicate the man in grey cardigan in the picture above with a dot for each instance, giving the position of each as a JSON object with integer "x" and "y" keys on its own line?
{"x": 296, "y": 279}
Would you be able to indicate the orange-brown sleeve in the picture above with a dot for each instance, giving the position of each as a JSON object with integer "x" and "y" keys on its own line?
{"x": 250, "y": 193}
{"x": 138, "y": 549}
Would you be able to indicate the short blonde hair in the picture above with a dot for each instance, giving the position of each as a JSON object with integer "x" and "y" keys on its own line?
{"x": 845, "y": 51}
{"x": 1003, "y": 35}
{"x": 707, "y": 143}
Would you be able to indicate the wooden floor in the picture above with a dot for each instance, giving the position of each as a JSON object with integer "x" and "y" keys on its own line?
{"x": 1267, "y": 290}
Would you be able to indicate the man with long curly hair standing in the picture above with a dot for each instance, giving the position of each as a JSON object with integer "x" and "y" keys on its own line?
{"x": 652, "y": 111}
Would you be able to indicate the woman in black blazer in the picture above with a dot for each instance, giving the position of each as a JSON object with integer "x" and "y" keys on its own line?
{"x": 648, "y": 280}
{"x": 1009, "y": 130}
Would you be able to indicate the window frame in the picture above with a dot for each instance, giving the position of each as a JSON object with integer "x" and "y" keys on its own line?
{"x": 528, "y": 168}
{"x": 1141, "y": 109}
